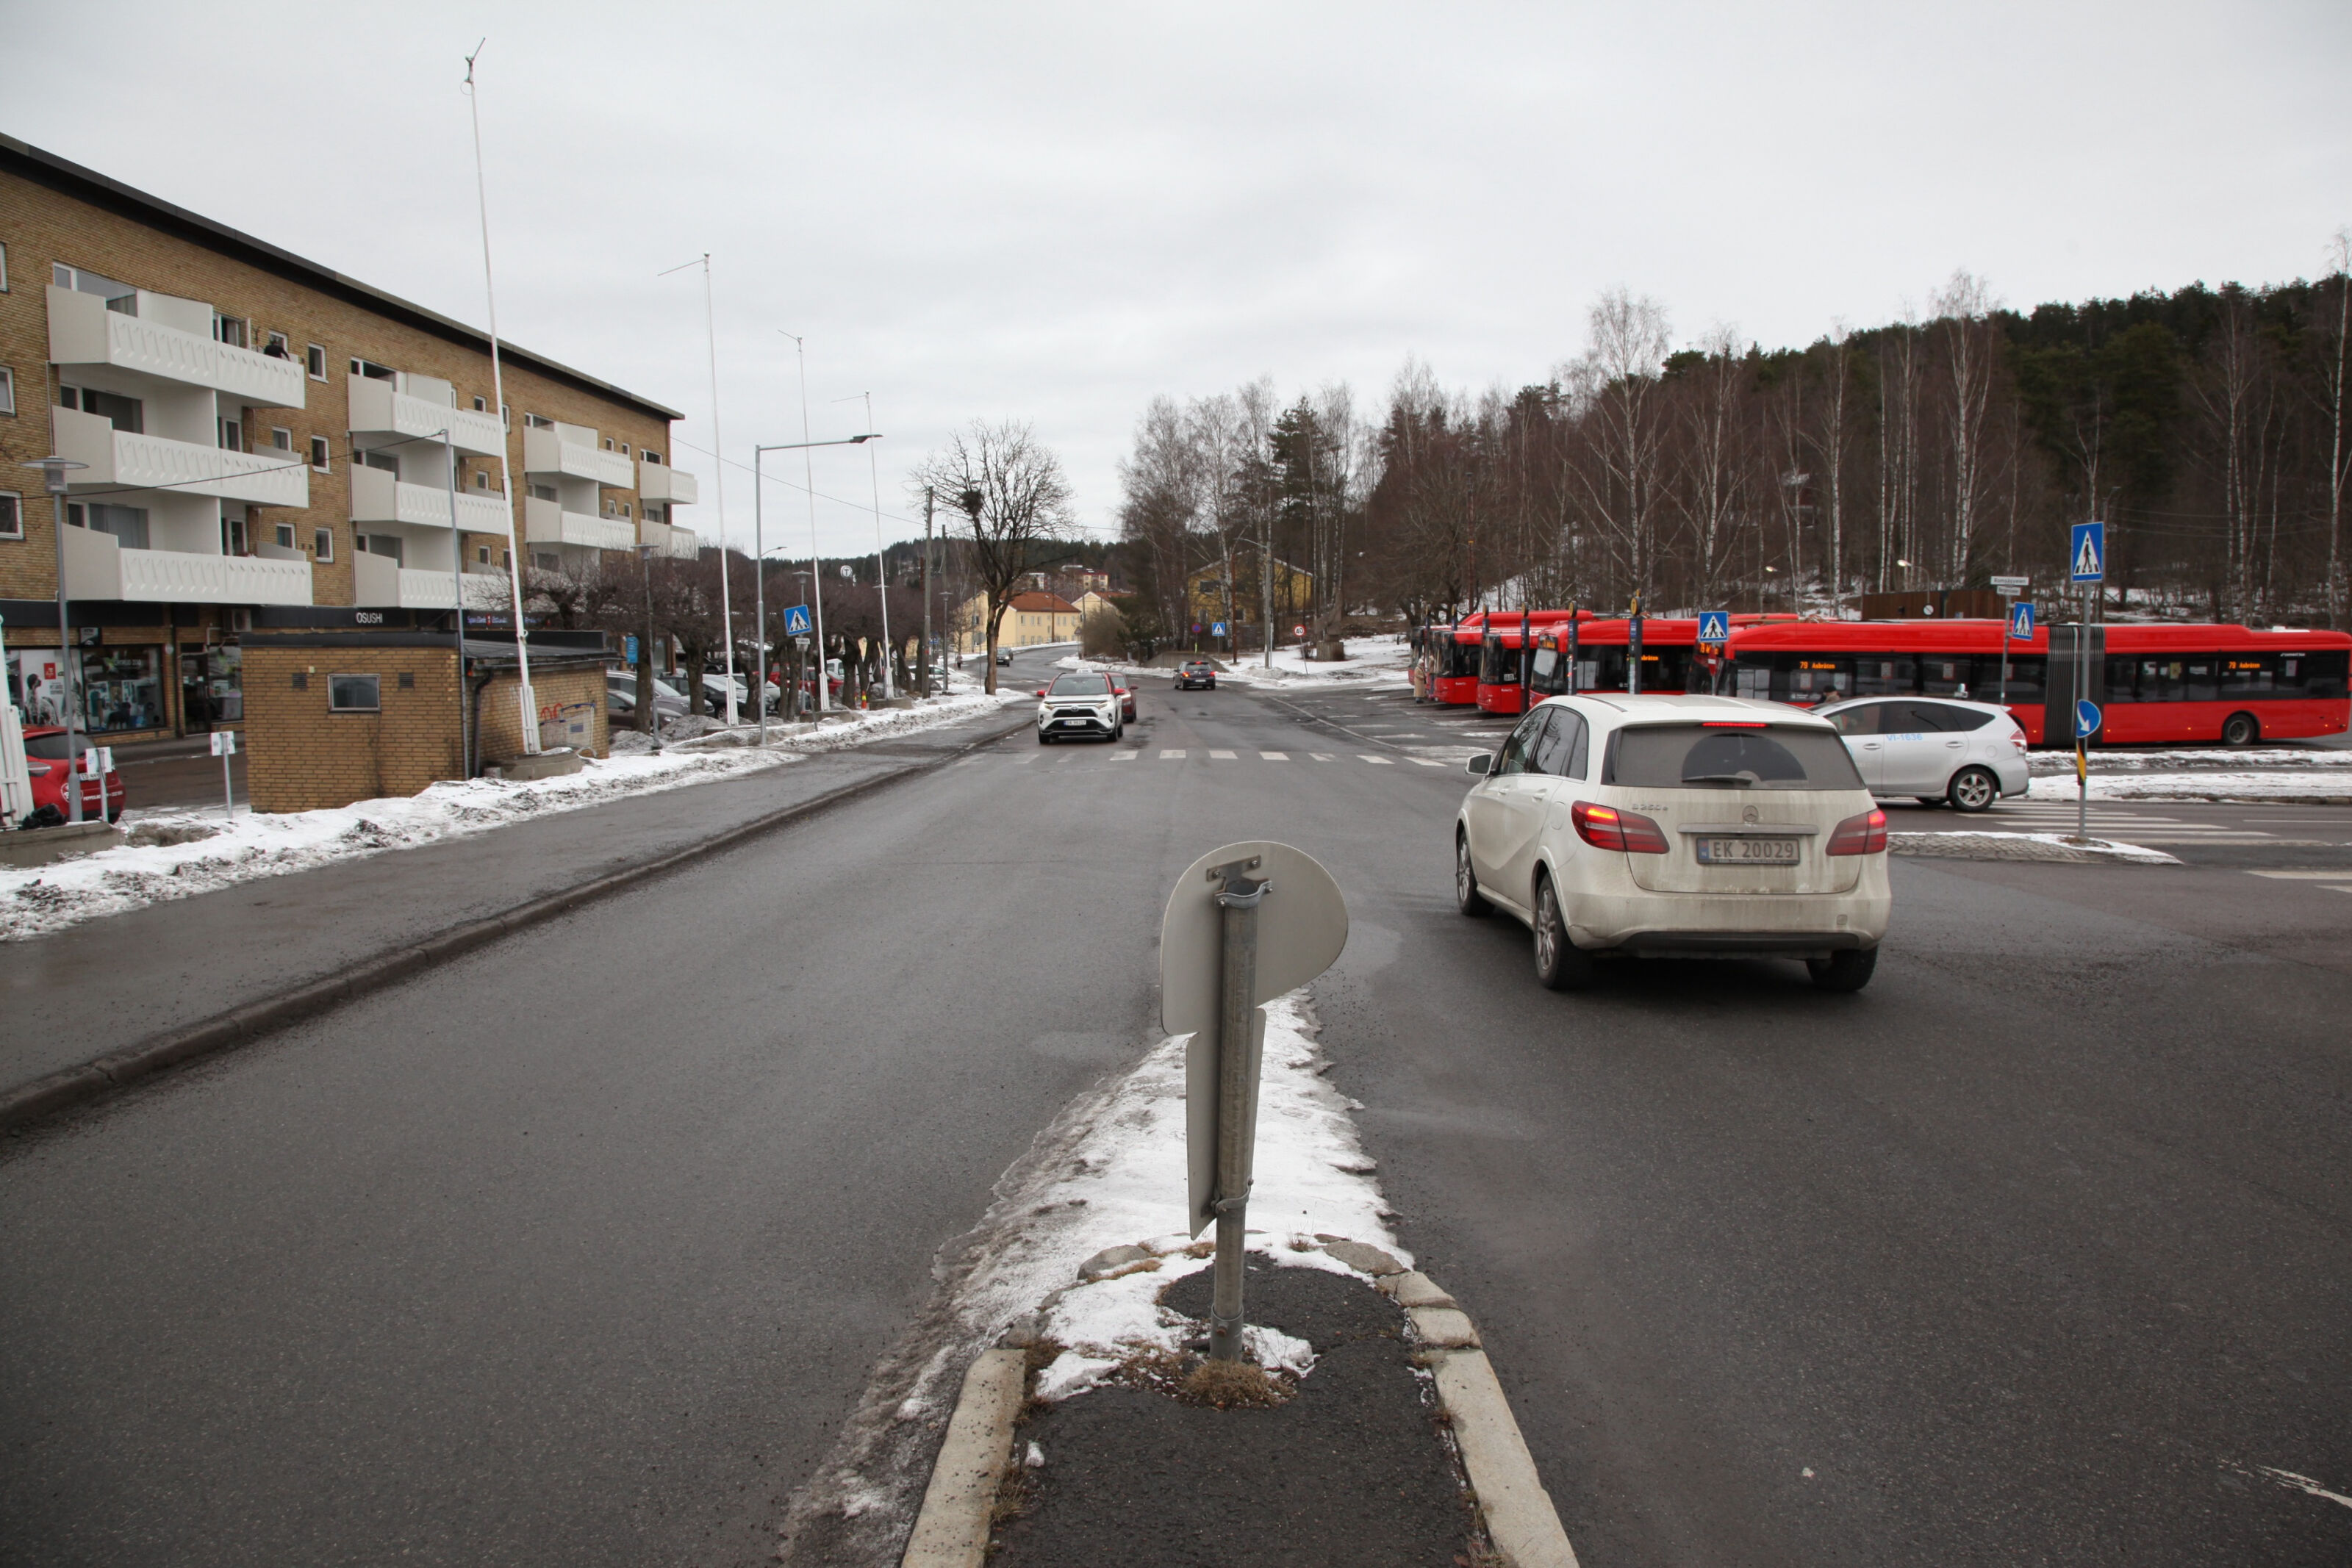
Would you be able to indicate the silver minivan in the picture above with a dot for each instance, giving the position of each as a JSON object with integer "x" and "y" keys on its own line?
{"x": 1934, "y": 748}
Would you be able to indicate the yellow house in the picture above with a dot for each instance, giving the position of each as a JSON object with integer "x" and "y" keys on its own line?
{"x": 1204, "y": 592}
{"x": 1030, "y": 619}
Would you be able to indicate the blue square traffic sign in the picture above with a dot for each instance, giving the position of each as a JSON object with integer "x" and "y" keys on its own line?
{"x": 2020, "y": 621}
{"x": 796, "y": 621}
{"x": 2087, "y": 552}
{"x": 1217, "y": 629}
{"x": 1715, "y": 626}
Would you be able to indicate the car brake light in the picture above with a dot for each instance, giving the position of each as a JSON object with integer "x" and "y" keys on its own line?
{"x": 1607, "y": 828}
{"x": 1731, "y": 723}
{"x": 1863, "y": 835}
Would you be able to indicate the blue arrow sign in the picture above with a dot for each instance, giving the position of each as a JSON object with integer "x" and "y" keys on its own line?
{"x": 2020, "y": 621}
{"x": 2087, "y": 719}
{"x": 1715, "y": 626}
{"x": 2087, "y": 552}
{"x": 796, "y": 621}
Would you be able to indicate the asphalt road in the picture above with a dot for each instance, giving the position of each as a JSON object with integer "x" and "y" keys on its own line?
{"x": 580, "y": 1250}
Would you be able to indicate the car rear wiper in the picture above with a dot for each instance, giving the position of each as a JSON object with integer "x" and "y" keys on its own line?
{"x": 1742, "y": 779}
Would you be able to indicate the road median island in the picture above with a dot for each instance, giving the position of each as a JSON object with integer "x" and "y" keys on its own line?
{"x": 1365, "y": 1428}
{"x": 48, "y": 1094}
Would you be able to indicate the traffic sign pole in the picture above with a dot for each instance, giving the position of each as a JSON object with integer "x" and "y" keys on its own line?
{"x": 1240, "y": 1031}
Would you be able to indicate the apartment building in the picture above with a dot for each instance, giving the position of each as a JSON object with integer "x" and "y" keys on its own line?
{"x": 268, "y": 443}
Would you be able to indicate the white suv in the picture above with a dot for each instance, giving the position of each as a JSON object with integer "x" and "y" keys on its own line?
{"x": 1079, "y": 704}
{"x": 1676, "y": 827}
{"x": 1937, "y": 748}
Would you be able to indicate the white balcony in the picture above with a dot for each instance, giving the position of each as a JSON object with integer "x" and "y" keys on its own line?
{"x": 660, "y": 482}
{"x": 548, "y": 452}
{"x": 98, "y": 566}
{"x": 119, "y": 460}
{"x": 378, "y": 408}
{"x": 83, "y": 331}
{"x": 379, "y": 582}
{"x": 678, "y": 544}
{"x": 378, "y": 497}
{"x": 547, "y": 523}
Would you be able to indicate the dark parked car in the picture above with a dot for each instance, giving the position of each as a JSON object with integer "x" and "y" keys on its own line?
{"x": 1198, "y": 672}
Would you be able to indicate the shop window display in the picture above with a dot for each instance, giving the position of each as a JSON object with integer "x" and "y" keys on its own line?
{"x": 121, "y": 689}
{"x": 212, "y": 686}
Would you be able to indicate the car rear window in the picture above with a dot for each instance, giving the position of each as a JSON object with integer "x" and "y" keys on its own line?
{"x": 1719, "y": 757}
{"x": 48, "y": 747}
{"x": 1079, "y": 687}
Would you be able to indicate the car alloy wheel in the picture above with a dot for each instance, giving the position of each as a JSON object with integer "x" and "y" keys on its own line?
{"x": 1560, "y": 963}
{"x": 1974, "y": 790}
{"x": 1467, "y": 896}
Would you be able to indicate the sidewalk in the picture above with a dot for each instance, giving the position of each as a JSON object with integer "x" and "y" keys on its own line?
{"x": 109, "y": 983}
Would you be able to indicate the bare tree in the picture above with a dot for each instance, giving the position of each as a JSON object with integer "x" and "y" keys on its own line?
{"x": 2339, "y": 462}
{"x": 1016, "y": 502}
{"x": 1964, "y": 307}
{"x": 1715, "y": 471}
{"x": 1616, "y": 387}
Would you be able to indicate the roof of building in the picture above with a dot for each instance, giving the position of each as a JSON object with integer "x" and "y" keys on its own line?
{"x": 1041, "y": 602}
{"x": 87, "y": 185}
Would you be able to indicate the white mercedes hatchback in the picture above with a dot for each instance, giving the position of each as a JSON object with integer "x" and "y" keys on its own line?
{"x": 1684, "y": 827}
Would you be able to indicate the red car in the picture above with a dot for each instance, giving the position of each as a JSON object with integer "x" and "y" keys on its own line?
{"x": 45, "y": 757}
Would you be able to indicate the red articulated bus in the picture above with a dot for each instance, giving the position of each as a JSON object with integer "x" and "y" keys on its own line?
{"x": 1455, "y": 680}
{"x": 2155, "y": 684}
{"x": 1505, "y": 635}
{"x": 1671, "y": 660}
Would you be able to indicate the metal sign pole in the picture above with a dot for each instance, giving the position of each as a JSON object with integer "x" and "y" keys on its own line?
{"x": 1240, "y": 1042}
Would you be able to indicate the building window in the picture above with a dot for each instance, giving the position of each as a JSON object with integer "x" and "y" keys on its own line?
{"x": 650, "y": 454}
{"x": 624, "y": 449}
{"x": 232, "y": 435}
{"x": 534, "y": 422}
{"x": 354, "y": 694}
{"x": 624, "y": 508}
{"x": 232, "y": 536}
{"x": 482, "y": 554}
{"x": 230, "y": 329}
{"x": 120, "y": 298}
{"x": 608, "y": 444}
{"x": 481, "y": 479}
{"x": 276, "y": 346}
{"x": 544, "y": 492}
{"x": 374, "y": 371}
{"x": 505, "y": 417}
{"x": 4, "y": 267}
{"x": 506, "y": 560}
{"x": 7, "y": 390}
{"x": 285, "y": 536}
{"x": 319, "y": 454}
{"x": 12, "y": 514}
{"x": 314, "y": 359}
{"x": 481, "y": 405}
{"x": 323, "y": 544}
{"x": 128, "y": 524}
{"x": 408, "y": 680}
{"x": 126, "y": 414}
{"x": 281, "y": 438}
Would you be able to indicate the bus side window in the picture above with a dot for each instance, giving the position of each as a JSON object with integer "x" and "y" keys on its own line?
{"x": 2324, "y": 674}
{"x": 2025, "y": 681}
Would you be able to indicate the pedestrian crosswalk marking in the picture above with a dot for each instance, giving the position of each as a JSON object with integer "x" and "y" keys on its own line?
{"x": 1425, "y": 761}
{"x": 1320, "y": 756}
{"x": 1125, "y": 756}
{"x": 1175, "y": 756}
{"x": 1221, "y": 757}
{"x": 1275, "y": 755}
{"x": 1022, "y": 761}
{"x": 1377, "y": 761}
{"x": 2343, "y": 875}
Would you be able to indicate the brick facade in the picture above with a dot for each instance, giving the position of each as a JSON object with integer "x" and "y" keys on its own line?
{"x": 48, "y": 217}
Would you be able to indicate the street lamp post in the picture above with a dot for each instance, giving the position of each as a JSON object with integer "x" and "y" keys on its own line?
{"x": 645, "y": 652}
{"x": 53, "y": 478}
{"x": 759, "y": 559}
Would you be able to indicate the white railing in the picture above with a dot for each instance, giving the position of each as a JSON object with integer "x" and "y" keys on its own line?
{"x": 547, "y": 523}
{"x": 378, "y": 497}
{"x": 379, "y": 408}
{"x": 678, "y": 544}
{"x": 83, "y": 331}
{"x": 122, "y": 460}
{"x": 660, "y": 482}
{"x": 684, "y": 543}
{"x": 98, "y": 567}
{"x": 546, "y": 452}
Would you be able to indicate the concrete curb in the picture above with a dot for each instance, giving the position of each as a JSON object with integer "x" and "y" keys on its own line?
{"x": 953, "y": 1527}
{"x": 70, "y": 1086}
{"x": 951, "y": 1532}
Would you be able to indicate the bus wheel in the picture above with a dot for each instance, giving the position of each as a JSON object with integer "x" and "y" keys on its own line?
{"x": 2240, "y": 730}
{"x": 1973, "y": 790}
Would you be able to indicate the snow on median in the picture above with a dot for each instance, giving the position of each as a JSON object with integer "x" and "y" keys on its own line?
{"x": 1108, "y": 1172}
{"x": 1371, "y": 662}
{"x": 2318, "y": 786}
{"x": 35, "y": 901}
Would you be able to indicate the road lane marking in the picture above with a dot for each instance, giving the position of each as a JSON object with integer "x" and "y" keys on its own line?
{"x": 2343, "y": 875}
{"x": 1125, "y": 756}
{"x": 1321, "y": 756}
{"x": 1022, "y": 761}
{"x": 1425, "y": 761}
{"x": 1221, "y": 757}
{"x": 1377, "y": 761}
{"x": 1175, "y": 756}
{"x": 1274, "y": 755}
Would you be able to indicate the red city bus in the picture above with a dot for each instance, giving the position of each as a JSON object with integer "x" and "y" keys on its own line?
{"x": 1499, "y": 648}
{"x": 1671, "y": 658}
{"x": 1455, "y": 679}
{"x": 2159, "y": 684}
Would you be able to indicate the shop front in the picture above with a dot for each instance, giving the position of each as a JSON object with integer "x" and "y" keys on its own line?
{"x": 212, "y": 686}
{"x": 120, "y": 688}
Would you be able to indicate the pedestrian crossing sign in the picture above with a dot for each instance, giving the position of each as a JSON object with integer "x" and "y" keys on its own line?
{"x": 2020, "y": 621}
{"x": 1714, "y": 626}
{"x": 2088, "y": 552}
{"x": 796, "y": 621}
{"x": 1217, "y": 629}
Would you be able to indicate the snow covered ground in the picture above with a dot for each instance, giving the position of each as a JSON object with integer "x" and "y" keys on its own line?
{"x": 2248, "y": 759}
{"x": 1108, "y": 1172}
{"x": 1371, "y": 662}
{"x": 2307, "y": 784}
{"x": 176, "y": 853}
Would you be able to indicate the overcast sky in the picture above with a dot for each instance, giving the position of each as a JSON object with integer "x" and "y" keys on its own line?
{"x": 1054, "y": 213}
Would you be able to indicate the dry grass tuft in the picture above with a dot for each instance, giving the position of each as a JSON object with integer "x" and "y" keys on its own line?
{"x": 1230, "y": 1385}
